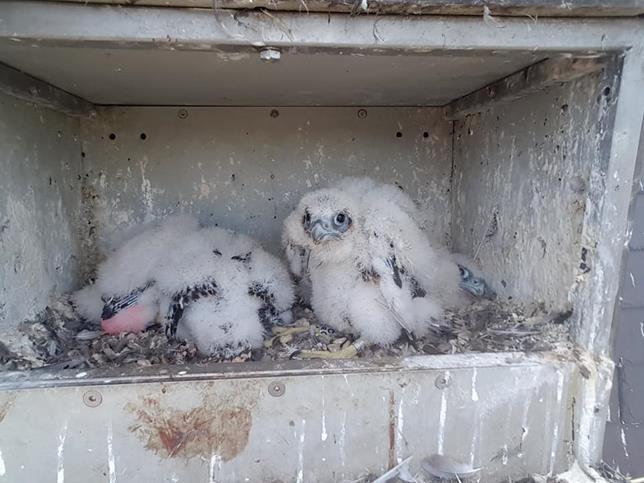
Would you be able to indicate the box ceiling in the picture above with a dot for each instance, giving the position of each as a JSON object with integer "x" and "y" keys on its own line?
{"x": 188, "y": 77}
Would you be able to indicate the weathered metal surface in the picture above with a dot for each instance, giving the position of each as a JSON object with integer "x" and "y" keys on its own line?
{"x": 39, "y": 208}
{"x": 521, "y": 179}
{"x": 45, "y": 378}
{"x": 602, "y": 147}
{"x": 540, "y": 76}
{"x": 541, "y": 8}
{"x": 21, "y": 86}
{"x": 606, "y": 221}
{"x": 510, "y": 418}
{"x": 245, "y": 169}
{"x": 43, "y": 23}
{"x": 142, "y": 55}
{"x": 624, "y": 441}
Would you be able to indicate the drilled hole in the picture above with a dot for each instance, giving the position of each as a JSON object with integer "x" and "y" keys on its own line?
{"x": 398, "y": 134}
{"x": 143, "y": 136}
{"x": 425, "y": 134}
{"x": 112, "y": 136}
{"x": 606, "y": 91}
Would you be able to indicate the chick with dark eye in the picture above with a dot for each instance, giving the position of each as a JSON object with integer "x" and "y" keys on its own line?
{"x": 342, "y": 221}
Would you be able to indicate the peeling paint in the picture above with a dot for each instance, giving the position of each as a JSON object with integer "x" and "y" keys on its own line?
{"x": 324, "y": 435}
{"x": 3, "y": 468}
{"x": 442, "y": 418}
{"x": 214, "y": 469}
{"x": 60, "y": 453}
{"x": 393, "y": 429}
{"x": 555, "y": 435}
{"x": 111, "y": 460}
{"x": 300, "y": 453}
{"x": 212, "y": 427}
{"x": 475, "y": 394}
{"x": 622, "y": 435}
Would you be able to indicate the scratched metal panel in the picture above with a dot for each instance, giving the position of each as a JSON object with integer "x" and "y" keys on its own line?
{"x": 39, "y": 207}
{"x": 510, "y": 416}
{"x": 246, "y": 168}
{"x": 521, "y": 182}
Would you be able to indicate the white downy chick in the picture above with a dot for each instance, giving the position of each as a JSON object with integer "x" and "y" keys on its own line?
{"x": 373, "y": 270}
{"x": 222, "y": 290}
{"x": 124, "y": 297}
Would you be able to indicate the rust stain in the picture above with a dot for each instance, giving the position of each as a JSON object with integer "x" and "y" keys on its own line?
{"x": 5, "y": 406}
{"x": 393, "y": 423}
{"x": 210, "y": 428}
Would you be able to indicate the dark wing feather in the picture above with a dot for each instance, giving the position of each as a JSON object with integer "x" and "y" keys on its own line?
{"x": 181, "y": 300}
{"x": 114, "y": 305}
{"x": 267, "y": 311}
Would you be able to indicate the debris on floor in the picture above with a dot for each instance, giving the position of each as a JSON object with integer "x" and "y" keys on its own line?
{"x": 59, "y": 339}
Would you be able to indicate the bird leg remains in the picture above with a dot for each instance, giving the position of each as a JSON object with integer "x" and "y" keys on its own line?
{"x": 351, "y": 350}
{"x": 285, "y": 334}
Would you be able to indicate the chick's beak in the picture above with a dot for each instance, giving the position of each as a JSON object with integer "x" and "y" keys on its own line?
{"x": 321, "y": 230}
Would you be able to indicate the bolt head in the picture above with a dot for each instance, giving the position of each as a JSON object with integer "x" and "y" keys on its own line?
{"x": 443, "y": 381}
{"x": 276, "y": 389}
{"x": 92, "y": 398}
{"x": 270, "y": 54}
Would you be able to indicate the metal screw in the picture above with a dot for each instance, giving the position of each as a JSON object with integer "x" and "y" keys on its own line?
{"x": 270, "y": 54}
{"x": 362, "y": 113}
{"x": 442, "y": 381}
{"x": 182, "y": 113}
{"x": 275, "y": 113}
{"x": 276, "y": 389}
{"x": 92, "y": 398}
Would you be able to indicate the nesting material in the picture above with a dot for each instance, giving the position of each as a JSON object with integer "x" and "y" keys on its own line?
{"x": 60, "y": 339}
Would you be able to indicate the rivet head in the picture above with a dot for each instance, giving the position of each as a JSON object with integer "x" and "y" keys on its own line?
{"x": 442, "y": 381}
{"x": 276, "y": 389}
{"x": 362, "y": 113}
{"x": 182, "y": 113}
{"x": 92, "y": 398}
